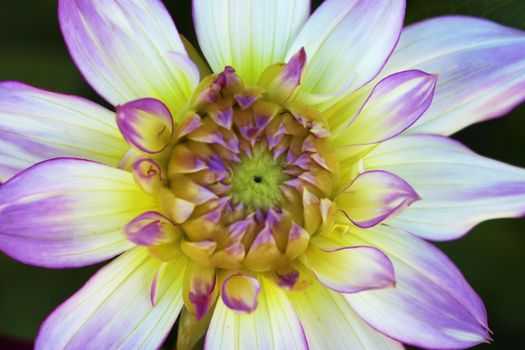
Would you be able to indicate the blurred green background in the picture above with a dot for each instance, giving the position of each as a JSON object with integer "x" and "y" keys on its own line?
{"x": 492, "y": 256}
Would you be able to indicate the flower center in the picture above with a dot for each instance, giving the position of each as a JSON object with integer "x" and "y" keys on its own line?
{"x": 249, "y": 180}
{"x": 257, "y": 179}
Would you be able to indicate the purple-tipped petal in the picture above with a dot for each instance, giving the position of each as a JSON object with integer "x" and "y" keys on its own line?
{"x": 114, "y": 309}
{"x": 481, "y": 68}
{"x": 188, "y": 125}
{"x": 273, "y": 325}
{"x": 150, "y": 228}
{"x": 146, "y": 124}
{"x": 459, "y": 189}
{"x": 432, "y": 306}
{"x": 36, "y": 125}
{"x": 375, "y": 196}
{"x": 148, "y": 175}
{"x": 68, "y": 212}
{"x": 243, "y": 34}
{"x": 246, "y": 101}
{"x": 223, "y": 118}
{"x": 344, "y": 53}
{"x": 241, "y": 293}
{"x": 349, "y": 269}
{"x": 396, "y": 103}
{"x": 287, "y": 81}
{"x": 128, "y": 49}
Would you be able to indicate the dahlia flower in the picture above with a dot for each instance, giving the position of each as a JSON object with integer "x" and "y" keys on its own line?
{"x": 279, "y": 198}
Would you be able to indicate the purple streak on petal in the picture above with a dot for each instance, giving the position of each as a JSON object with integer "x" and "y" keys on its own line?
{"x": 34, "y": 150}
{"x": 200, "y": 297}
{"x": 153, "y": 288}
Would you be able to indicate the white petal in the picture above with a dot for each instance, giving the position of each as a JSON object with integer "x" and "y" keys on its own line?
{"x": 273, "y": 325}
{"x": 330, "y": 322}
{"x": 36, "y": 125}
{"x": 432, "y": 306}
{"x": 347, "y": 42}
{"x": 248, "y": 35}
{"x": 481, "y": 68}
{"x": 458, "y": 188}
{"x": 69, "y": 212}
{"x": 113, "y": 310}
{"x": 128, "y": 49}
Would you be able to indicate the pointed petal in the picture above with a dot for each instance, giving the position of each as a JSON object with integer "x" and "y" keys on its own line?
{"x": 396, "y": 103}
{"x": 146, "y": 124}
{"x": 432, "y": 306}
{"x": 128, "y": 50}
{"x": 114, "y": 310}
{"x": 298, "y": 240}
{"x": 375, "y": 196}
{"x": 263, "y": 252}
{"x": 282, "y": 87}
{"x": 273, "y": 325}
{"x": 36, "y": 125}
{"x": 331, "y": 323}
{"x": 248, "y": 35}
{"x": 349, "y": 269}
{"x": 481, "y": 68}
{"x": 200, "y": 289}
{"x": 68, "y": 212}
{"x": 459, "y": 189}
{"x": 347, "y": 43}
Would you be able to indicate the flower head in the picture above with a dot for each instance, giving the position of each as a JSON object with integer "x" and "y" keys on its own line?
{"x": 278, "y": 200}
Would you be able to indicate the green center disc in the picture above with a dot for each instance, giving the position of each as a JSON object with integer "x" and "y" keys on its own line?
{"x": 257, "y": 179}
